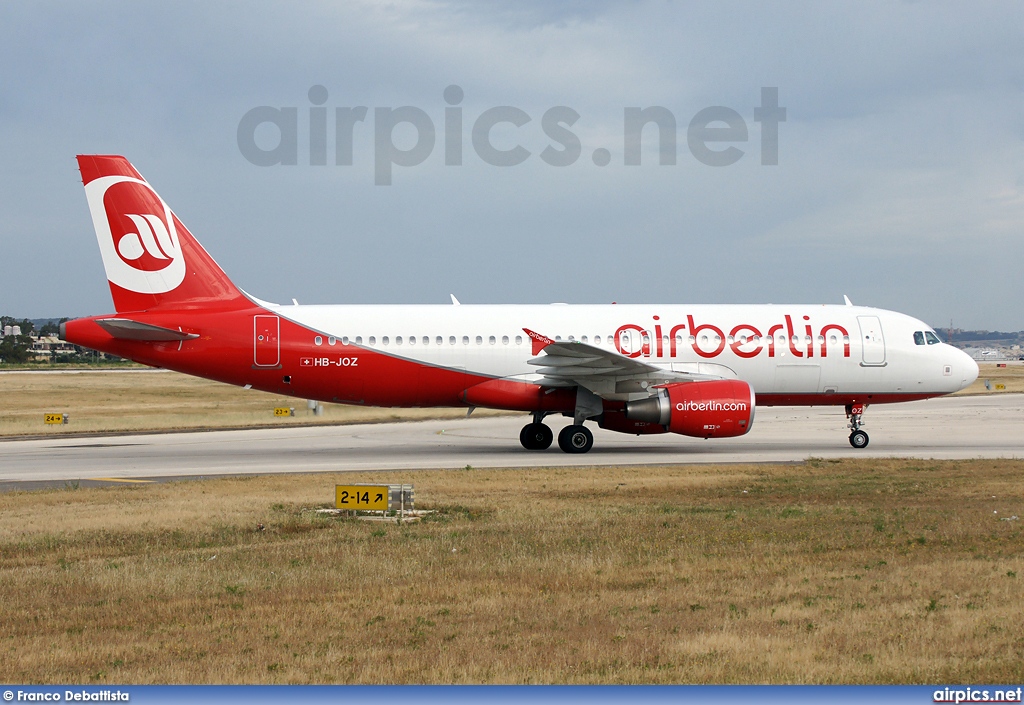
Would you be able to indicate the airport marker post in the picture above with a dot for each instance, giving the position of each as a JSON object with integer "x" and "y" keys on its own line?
{"x": 375, "y": 498}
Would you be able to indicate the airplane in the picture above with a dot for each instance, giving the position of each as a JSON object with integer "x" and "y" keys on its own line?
{"x": 693, "y": 370}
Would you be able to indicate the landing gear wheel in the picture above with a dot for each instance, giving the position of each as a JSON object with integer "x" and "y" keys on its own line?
{"x": 536, "y": 436}
{"x": 855, "y": 412}
{"x": 575, "y": 439}
{"x": 859, "y": 439}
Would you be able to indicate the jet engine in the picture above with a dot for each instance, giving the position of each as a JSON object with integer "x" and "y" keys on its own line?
{"x": 712, "y": 409}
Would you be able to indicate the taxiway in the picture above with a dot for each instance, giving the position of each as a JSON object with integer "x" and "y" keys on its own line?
{"x": 945, "y": 428}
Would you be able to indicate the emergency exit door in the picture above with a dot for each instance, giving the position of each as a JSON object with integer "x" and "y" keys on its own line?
{"x": 266, "y": 341}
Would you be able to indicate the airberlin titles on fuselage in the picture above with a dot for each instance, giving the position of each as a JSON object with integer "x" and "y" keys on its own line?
{"x": 744, "y": 339}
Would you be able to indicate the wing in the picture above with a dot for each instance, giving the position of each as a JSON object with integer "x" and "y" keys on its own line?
{"x": 607, "y": 373}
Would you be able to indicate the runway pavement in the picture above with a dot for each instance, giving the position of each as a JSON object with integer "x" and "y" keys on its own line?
{"x": 951, "y": 427}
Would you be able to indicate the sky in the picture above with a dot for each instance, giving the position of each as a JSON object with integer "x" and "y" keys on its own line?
{"x": 898, "y": 177}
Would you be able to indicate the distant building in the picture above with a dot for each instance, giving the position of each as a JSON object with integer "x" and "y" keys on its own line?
{"x": 45, "y": 348}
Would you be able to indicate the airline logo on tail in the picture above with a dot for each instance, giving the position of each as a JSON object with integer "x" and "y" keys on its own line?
{"x": 136, "y": 234}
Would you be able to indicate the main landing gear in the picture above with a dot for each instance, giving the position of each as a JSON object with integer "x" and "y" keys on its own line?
{"x": 536, "y": 436}
{"x": 575, "y": 439}
{"x": 571, "y": 439}
{"x": 858, "y": 438}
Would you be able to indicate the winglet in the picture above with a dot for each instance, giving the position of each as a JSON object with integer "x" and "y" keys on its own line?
{"x": 847, "y": 300}
{"x": 539, "y": 341}
{"x": 455, "y": 301}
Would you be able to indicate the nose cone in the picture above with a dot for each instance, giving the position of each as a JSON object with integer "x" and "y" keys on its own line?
{"x": 967, "y": 368}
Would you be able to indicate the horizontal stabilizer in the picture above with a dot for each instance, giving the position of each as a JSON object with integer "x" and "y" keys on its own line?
{"x": 127, "y": 329}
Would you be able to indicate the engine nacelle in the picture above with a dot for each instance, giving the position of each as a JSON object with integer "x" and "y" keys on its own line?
{"x": 712, "y": 409}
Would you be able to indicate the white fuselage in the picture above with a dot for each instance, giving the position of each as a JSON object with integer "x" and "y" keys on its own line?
{"x": 782, "y": 350}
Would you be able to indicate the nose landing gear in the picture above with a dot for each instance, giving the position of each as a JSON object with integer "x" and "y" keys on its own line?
{"x": 858, "y": 438}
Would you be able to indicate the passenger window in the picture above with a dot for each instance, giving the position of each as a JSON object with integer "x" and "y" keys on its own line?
{"x": 918, "y": 337}
{"x": 491, "y": 340}
{"x": 318, "y": 340}
{"x": 479, "y": 340}
{"x": 332, "y": 340}
{"x": 359, "y": 340}
{"x": 504, "y": 340}
{"x": 384, "y": 340}
{"x": 440, "y": 340}
{"x": 398, "y": 340}
{"x": 344, "y": 340}
{"x": 519, "y": 340}
{"x": 597, "y": 340}
{"x": 465, "y": 340}
{"x": 373, "y": 340}
{"x": 451, "y": 340}
{"x": 932, "y": 338}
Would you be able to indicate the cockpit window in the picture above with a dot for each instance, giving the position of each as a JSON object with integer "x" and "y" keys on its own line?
{"x": 918, "y": 337}
{"x": 932, "y": 338}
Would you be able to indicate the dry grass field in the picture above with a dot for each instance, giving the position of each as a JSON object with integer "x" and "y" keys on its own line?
{"x": 148, "y": 400}
{"x": 866, "y": 571}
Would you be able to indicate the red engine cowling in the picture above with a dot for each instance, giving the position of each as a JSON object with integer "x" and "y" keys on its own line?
{"x": 713, "y": 409}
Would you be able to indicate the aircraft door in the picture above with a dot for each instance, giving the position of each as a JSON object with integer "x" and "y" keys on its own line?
{"x": 266, "y": 341}
{"x": 872, "y": 342}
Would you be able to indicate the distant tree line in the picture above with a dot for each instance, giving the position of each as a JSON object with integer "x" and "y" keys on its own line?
{"x": 969, "y": 336}
{"x": 17, "y": 349}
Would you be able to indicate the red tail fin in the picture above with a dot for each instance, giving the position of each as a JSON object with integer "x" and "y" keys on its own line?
{"x": 151, "y": 259}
